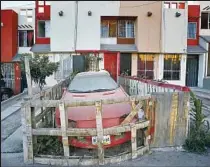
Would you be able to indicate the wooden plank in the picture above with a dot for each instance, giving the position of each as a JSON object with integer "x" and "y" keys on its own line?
{"x": 64, "y": 126}
{"x": 133, "y": 112}
{"x": 55, "y": 103}
{"x": 61, "y": 161}
{"x": 99, "y": 129}
{"x": 173, "y": 117}
{"x": 162, "y": 123}
{"x": 42, "y": 114}
{"x": 133, "y": 141}
{"x": 28, "y": 75}
{"x": 181, "y": 126}
{"x": 87, "y": 132}
{"x": 27, "y": 134}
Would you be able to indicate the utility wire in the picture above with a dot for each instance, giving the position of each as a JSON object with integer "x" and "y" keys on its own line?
{"x": 140, "y": 5}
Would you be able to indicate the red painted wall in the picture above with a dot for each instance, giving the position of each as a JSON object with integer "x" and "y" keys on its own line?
{"x": 193, "y": 16}
{"x": 41, "y": 16}
{"x": 9, "y": 35}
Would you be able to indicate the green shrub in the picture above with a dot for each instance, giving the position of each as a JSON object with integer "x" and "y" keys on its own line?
{"x": 198, "y": 139}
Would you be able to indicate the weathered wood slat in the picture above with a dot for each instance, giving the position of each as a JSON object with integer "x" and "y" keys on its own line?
{"x": 99, "y": 130}
{"x": 133, "y": 112}
{"x": 55, "y": 103}
{"x": 87, "y": 162}
{"x": 64, "y": 126}
{"x": 87, "y": 132}
{"x": 42, "y": 114}
{"x": 27, "y": 134}
{"x": 133, "y": 141}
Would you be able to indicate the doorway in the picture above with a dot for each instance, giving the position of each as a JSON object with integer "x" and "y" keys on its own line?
{"x": 110, "y": 64}
{"x": 192, "y": 70}
{"x": 125, "y": 63}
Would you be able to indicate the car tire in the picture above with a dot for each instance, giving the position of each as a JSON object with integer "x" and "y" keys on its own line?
{"x": 5, "y": 96}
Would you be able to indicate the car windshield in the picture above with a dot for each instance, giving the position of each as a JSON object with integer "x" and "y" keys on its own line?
{"x": 92, "y": 83}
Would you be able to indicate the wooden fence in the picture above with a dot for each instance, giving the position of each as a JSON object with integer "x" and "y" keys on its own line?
{"x": 34, "y": 120}
{"x": 166, "y": 123}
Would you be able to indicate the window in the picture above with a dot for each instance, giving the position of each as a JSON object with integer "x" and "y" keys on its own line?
{"x": 146, "y": 66}
{"x": 205, "y": 20}
{"x": 29, "y": 12}
{"x": 191, "y": 30}
{"x": 172, "y": 67}
{"x": 126, "y": 29}
{"x": 108, "y": 28}
{"x": 29, "y": 19}
{"x": 41, "y": 3}
{"x": 25, "y": 38}
{"x": 23, "y": 12}
{"x": 44, "y": 29}
{"x": 41, "y": 9}
{"x": 167, "y": 5}
{"x": 173, "y": 5}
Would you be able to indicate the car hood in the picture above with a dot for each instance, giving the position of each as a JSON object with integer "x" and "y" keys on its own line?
{"x": 89, "y": 112}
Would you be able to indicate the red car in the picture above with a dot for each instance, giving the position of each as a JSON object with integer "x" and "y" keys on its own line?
{"x": 95, "y": 86}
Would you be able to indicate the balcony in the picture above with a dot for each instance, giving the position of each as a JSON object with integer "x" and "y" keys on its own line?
{"x": 117, "y": 30}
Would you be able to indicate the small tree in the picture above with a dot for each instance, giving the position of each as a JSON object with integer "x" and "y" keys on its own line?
{"x": 40, "y": 68}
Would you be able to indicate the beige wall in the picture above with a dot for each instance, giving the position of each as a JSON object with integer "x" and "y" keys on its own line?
{"x": 148, "y": 29}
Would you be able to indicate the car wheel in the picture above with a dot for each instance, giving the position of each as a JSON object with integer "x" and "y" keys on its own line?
{"x": 4, "y": 96}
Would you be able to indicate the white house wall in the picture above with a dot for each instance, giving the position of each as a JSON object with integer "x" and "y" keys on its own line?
{"x": 174, "y": 31}
{"x": 89, "y": 27}
{"x": 62, "y": 27}
{"x": 204, "y": 4}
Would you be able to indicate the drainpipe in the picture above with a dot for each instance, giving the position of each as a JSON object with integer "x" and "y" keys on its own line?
{"x": 76, "y": 23}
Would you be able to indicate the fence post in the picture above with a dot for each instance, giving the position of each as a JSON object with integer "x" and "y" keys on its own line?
{"x": 133, "y": 141}
{"x": 64, "y": 126}
{"x": 99, "y": 129}
{"x": 27, "y": 131}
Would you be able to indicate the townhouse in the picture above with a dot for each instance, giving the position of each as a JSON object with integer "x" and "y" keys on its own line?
{"x": 145, "y": 38}
{"x": 17, "y": 36}
{"x": 205, "y": 40}
{"x": 198, "y": 61}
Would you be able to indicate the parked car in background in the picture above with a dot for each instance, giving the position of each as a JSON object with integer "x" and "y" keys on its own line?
{"x": 6, "y": 93}
{"x": 95, "y": 86}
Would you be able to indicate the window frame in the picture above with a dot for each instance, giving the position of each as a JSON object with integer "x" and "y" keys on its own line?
{"x": 109, "y": 29}
{"x": 126, "y": 34}
{"x": 208, "y": 21}
{"x": 145, "y": 62}
{"x": 208, "y": 63}
{"x": 25, "y": 31}
{"x": 38, "y": 28}
{"x": 171, "y": 70}
{"x": 195, "y": 30}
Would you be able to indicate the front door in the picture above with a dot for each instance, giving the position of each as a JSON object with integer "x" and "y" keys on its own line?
{"x": 79, "y": 63}
{"x": 125, "y": 63}
{"x": 192, "y": 71}
{"x": 110, "y": 64}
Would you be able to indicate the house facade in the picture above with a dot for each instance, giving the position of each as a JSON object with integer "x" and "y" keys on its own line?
{"x": 205, "y": 39}
{"x": 17, "y": 29}
{"x": 9, "y": 39}
{"x": 143, "y": 38}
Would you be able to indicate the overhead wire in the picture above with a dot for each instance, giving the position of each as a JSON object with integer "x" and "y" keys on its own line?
{"x": 139, "y": 5}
